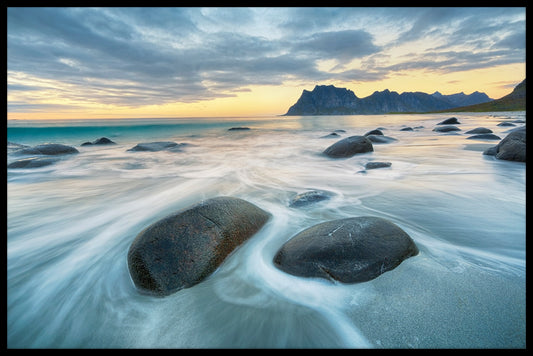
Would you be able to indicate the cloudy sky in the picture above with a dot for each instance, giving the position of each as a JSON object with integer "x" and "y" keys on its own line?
{"x": 183, "y": 62}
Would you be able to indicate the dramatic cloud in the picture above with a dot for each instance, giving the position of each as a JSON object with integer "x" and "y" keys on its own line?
{"x": 141, "y": 56}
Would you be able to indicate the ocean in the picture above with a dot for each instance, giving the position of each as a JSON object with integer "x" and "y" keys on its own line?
{"x": 70, "y": 224}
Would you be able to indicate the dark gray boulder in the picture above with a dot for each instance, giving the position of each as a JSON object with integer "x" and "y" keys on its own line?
{"x": 239, "y": 129}
{"x": 407, "y": 129}
{"x": 486, "y": 136}
{"x": 505, "y": 123}
{"x": 446, "y": 128}
{"x": 450, "y": 121}
{"x": 512, "y": 147}
{"x": 33, "y": 162}
{"x": 184, "y": 248}
{"x": 309, "y": 197}
{"x": 100, "y": 141}
{"x": 347, "y": 250}
{"x": 48, "y": 149}
{"x": 158, "y": 146}
{"x": 479, "y": 130}
{"x": 349, "y": 146}
{"x": 374, "y": 165}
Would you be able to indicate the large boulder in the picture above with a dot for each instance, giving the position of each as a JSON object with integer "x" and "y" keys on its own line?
{"x": 347, "y": 250}
{"x": 349, "y": 146}
{"x": 182, "y": 249}
{"x": 47, "y": 149}
{"x": 512, "y": 147}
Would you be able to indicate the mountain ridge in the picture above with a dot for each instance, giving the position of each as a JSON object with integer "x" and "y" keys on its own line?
{"x": 514, "y": 101}
{"x": 330, "y": 100}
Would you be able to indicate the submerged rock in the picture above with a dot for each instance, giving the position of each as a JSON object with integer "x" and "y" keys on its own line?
{"x": 486, "y": 136}
{"x": 446, "y": 128}
{"x": 184, "y": 248}
{"x": 239, "y": 129}
{"x": 374, "y": 165}
{"x": 13, "y": 146}
{"x": 48, "y": 149}
{"x": 331, "y": 135}
{"x": 407, "y": 129}
{"x": 505, "y": 123}
{"x": 158, "y": 146}
{"x": 512, "y": 147}
{"x": 450, "y": 121}
{"x": 349, "y": 146}
{"x": 347, "y": 250}
{"x": 309, "y": 197}
{"x": 33, "y": 162}
{"x": 381, "y": 139}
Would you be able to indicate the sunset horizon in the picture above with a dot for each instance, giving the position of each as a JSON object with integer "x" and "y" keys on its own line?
{"x": 83, "y": 63}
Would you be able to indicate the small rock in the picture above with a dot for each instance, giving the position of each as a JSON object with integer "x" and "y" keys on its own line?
{"x": 446, "y": 128}
{"x": 48, "y": 149}
{"x": 158, "y": 146}
{"x": 487, "y": 136}
{"x": 479, "y": 130}
{"x": 450, "y": 121}
{"x": 33, "y": 162}
{"x": 331, "y": 135}
{"x": 381, "y": 139}
{"x": 309, "y": 197}
{"x": 100, "y": 141}
{"x": 374, "y": 165}
{"x": 238, "y": 129}
{"x": 374, "y": 132}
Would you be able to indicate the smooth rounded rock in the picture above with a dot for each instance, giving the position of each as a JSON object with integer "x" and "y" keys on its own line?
{"x": 347, "y": 250}
{"x": 349, "y": 146}
{"x": 184, "y": 248}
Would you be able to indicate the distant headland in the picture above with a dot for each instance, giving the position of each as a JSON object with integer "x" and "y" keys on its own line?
{"x": 330, "y": 100}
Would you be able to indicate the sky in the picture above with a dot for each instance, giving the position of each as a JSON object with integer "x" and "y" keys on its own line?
{"x": 70, "y": 63}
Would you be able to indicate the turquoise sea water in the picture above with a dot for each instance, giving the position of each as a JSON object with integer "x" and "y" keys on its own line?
{"x": 71, "y": 223}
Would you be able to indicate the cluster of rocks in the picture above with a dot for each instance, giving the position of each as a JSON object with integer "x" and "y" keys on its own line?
{"x": 512, "y": 147}
{"x": 182, "y": 249}
{"x": 49, "y": 153}
{"x": 40, "y": 155}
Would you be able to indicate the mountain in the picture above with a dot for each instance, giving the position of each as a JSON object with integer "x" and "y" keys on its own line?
{"x": 461, "y": 99}
{"x": 514, "y": 101}
{"x": 329, "y": 100}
